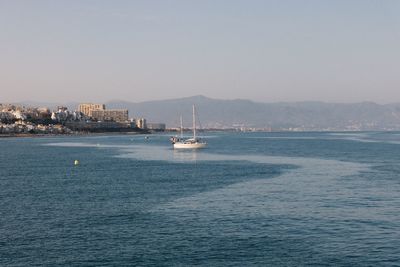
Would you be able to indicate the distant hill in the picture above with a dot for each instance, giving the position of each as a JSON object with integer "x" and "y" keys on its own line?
{"x": 50, "y": 105}
{"x": 216, "y": 113}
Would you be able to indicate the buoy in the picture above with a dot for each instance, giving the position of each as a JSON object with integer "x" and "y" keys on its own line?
{"x": 76, "y": 162}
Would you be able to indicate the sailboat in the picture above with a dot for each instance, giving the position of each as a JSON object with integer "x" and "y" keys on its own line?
{"x": 193, "y": 142}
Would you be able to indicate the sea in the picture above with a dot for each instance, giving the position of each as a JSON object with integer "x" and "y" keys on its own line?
{"x": 248, "y": 199}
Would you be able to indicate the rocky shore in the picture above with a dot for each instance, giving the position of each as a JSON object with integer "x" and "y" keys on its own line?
{"x": 19, "y": 128}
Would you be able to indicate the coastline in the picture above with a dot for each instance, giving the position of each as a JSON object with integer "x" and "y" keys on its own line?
{"x": 28, "y": 135}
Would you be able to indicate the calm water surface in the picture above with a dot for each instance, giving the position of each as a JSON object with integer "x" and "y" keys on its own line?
{"x": 249, "y": 199}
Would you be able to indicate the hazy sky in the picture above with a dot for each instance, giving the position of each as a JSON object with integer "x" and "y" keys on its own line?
{"x": 335, "y": 51}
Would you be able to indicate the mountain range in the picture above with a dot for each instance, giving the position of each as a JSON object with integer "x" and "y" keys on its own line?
{"x": 239, "y": 113}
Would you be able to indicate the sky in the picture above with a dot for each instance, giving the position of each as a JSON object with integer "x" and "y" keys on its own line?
{"x": 267, "y": 51}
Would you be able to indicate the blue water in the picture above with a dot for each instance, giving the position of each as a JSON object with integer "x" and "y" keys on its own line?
{"x": 249, "y": 199}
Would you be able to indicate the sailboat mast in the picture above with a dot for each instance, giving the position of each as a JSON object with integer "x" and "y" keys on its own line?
{"x": 194, "y": 125}
{"x": 181, "y": 128}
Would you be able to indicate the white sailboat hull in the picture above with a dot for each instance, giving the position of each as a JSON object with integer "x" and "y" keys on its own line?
{"x": 189, "y": 145}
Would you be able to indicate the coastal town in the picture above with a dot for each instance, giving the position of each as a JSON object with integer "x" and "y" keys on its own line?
{"x": 88, "y": 118}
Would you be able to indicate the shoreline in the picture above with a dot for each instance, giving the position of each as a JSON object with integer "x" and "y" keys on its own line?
{"x": 28, "y": 135}
{"x": 81, "y": 134}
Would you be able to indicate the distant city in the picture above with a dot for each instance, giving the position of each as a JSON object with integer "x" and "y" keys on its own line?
{"x": 214, "y": 114}
{"x": 90, "y": 117}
